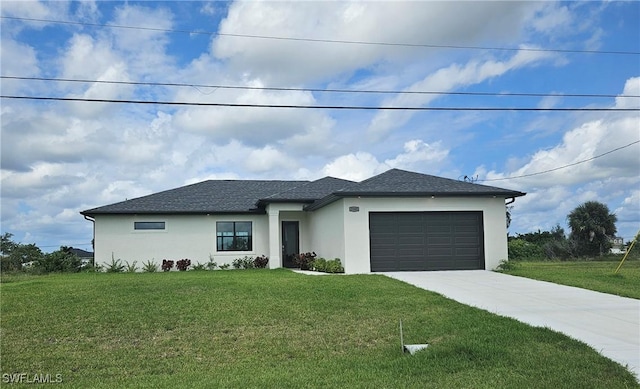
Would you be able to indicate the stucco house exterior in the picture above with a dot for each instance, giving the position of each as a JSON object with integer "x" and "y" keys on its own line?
{"x": 397, "y": 220}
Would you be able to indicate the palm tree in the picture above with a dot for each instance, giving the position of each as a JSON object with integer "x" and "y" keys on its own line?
{"x": 591, "y": 226}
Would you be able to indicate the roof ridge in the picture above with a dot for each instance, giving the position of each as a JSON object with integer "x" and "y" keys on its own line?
{"x": 305, "y": 183}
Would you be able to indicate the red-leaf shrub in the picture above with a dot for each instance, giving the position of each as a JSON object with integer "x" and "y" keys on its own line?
{"x": 183, "y": 264}
{"x": 167, "y": 265}
{"x": 260, "y": 262}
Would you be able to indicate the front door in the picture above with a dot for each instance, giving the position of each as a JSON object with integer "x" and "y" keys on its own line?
{"x": 290, "y": 242}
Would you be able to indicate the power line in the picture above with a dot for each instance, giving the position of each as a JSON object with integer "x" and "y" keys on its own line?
{"x": 340, "y": 41}
{"x": 341, "y": 107}
{"x": 563, "y": 167}
{"x": 498, "y": 94}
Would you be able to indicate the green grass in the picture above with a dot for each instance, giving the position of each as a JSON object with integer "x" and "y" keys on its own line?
{"x": 261, "y": 328}
{"x": 595, "y": 275}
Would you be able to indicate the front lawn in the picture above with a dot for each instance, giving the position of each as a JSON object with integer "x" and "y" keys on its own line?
{"x": 594, "y": 275}
{"x": 275, "y": 328}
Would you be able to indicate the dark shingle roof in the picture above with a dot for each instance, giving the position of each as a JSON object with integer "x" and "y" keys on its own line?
{"x": 396, "y": 181}
{"x": 402, "y": 183}
{"x": 311, "y": 191}
{"x": 250, "y": 196}
{"x": 213, "y": 196}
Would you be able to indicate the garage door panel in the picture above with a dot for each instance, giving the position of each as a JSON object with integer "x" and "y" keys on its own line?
{"x": 411, "y": 239}
{"x": 438, "y": 240}
{"x": 467, "y": 241}
{"x": 415, "y": 241}
{"x": 411, "y": 251}
{"x": 440, "y": 251}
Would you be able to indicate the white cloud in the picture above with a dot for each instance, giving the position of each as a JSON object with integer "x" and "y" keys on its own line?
{"x": 354, "y": 167}
{"x": 17, "y": 59}
{"x": 255, "y": 126}
{"x": 417, "y": 156}
{"x": 631, "y": 88}
{"x": 588, "y": 141}
{"x": 412, "y": 22}
{"x": 446, "y": 79}
{"x": 268, "y": 158}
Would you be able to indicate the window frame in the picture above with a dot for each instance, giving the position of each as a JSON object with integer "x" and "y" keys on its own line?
{"x": 149, "y": 224}
{"x": 235, "y": 237}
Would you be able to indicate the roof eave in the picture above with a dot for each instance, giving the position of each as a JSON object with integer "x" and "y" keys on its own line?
{"x": 264, "y": 202}
{"x": 211, "y": 212}
{"x": 336, "y": 196}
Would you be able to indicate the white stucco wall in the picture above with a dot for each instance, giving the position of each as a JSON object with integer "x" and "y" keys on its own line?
{"x": 356, "y": 224}
{"x": 332, "y": 232}
{"x": 184, "y": 236}
{"x": 327, "y": 231}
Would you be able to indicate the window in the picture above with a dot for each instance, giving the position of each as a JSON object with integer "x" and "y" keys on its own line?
{"x": 148, "y": 225}
{"x": 233, "y": 236}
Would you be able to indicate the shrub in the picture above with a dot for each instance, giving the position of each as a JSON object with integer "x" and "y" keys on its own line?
{"x": 319, "y": 264}
{"x": 211, "y": 265}
{"x": 199, "y": 267}
{"x": 224, "y": 266}
{"x": 561, "y": 249}
{"x": 521, "y": 249}
{"x": 167, "y": 265}
{"x": 243, "y": 263}
{"x": 506, "y": 265}
{"x": 328, "y": 266}
{"x": 149, "y": 267}
{"x": 131, "y": 268}
{"x": 115, "y": 266}
{"x": 62, "y": 260}
{"x": 335, "y": 266}
{"x": 260, "y": 262}
{"x": 92, "y": 267}
{"x": 304, "y": 260}
{"x": 183, "y": 264}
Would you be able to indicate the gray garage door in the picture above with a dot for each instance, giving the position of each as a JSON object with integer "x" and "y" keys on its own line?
{"x": 416, "y": 241}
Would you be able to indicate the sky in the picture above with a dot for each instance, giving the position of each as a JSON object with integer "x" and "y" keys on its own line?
{"x": 61, "y": 157}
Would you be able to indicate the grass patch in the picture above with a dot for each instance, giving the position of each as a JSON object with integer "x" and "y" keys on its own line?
{"x": 593, "y": 275}
{"x": 275, "y": 329}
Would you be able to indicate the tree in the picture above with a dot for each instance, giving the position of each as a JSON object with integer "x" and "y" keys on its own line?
{"x": 14, "y": 255}
{"x": 591, "y": 226}
{"x": 62, "y": 260}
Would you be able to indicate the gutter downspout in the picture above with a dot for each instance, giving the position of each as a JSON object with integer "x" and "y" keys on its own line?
{"x": 513, "y": 199}
{"x": 93, "y": 240}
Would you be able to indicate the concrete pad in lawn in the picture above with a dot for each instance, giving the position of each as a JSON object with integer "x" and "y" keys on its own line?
{"x": 608, "y": 323}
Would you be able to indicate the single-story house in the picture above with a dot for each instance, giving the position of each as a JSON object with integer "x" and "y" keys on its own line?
{"x": 86, "y": 257}
{"x": 397, "y": 220}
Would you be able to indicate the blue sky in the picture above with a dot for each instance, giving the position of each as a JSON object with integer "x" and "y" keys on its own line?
{"x": 59, "y": 158}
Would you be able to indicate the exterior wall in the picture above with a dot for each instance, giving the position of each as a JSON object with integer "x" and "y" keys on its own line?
{"x": 356, "y": 224}
{"x": 327, "y": 232}
{"x": 277, "y": 212}
{"x": 333, "y": 231}
{"x": 184, "y": 236}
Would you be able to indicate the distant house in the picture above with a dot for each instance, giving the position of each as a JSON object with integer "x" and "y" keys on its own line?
{"x": 617, "y": 245}
{"x": 85, "y": 256}
{"x": 398, "y": 220}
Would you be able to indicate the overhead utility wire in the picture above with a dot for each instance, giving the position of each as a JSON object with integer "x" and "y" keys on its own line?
{"x": 419, "y": 45}
{"x": 499, "y": 94}
{"x": 295, "y": 106}
{"x": 562, "y": 167}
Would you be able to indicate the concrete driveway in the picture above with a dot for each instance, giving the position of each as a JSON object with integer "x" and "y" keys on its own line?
{"x": 608, "y": 323}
